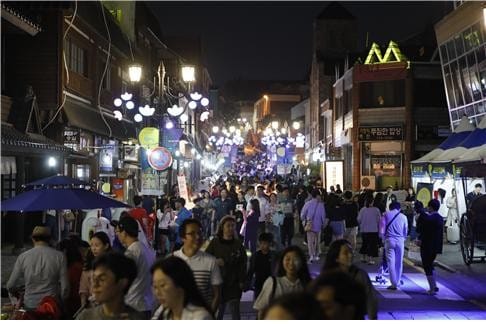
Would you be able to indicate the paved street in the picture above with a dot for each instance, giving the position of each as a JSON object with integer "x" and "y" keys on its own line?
{"x": 462, "y": 293}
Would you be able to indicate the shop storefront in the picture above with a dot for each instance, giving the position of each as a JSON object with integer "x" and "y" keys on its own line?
{"x": 382, "y": 155}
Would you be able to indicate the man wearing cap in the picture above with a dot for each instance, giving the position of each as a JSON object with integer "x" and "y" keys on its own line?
{"x": 139, "y": 295}
{"x": 42, "y": 269}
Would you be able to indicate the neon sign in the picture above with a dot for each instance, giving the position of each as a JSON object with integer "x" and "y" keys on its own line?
{"x": 392, "y": 54}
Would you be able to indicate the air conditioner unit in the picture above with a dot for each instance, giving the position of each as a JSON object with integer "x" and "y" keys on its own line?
{"x": 368, "y": 182}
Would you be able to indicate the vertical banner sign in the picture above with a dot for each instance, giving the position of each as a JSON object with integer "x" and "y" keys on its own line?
{"x": 169, "y": 138}
{"x": 424, "y": 192}
{"x": 181, "y": 182}
{"x": 106, "y": 159}
{"x": 118, "y": 188}
{"x": 334, "y": 173}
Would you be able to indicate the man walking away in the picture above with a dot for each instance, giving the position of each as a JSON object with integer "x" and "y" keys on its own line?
{"x": 430, "y": 228}
{"x": 395, "y": 231}
{"x": 42, "y": 269}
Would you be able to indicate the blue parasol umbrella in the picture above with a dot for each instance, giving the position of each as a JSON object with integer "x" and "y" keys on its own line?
{"x": 62, "y": 198}
{"x": 57, "y": 180}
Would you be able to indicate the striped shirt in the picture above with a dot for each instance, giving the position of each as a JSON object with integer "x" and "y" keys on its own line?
{"x": 206, "y": 272}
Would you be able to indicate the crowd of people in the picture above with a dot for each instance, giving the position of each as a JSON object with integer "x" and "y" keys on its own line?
{"x": 169, "y": 262}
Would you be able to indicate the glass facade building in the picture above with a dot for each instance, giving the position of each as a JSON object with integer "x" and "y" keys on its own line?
{"x": 461, "y": 36}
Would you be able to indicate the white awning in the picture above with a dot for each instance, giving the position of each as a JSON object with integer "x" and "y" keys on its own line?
{"x": 9, "y": 165}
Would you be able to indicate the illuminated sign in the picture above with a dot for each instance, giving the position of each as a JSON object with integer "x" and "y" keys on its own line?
{"x": 149, "y": 137}
{"x": 380, "y": 133}
{"x": 392, "y": 54}
{"x": 159, "y": 158}
{"x": 334, "y": 173}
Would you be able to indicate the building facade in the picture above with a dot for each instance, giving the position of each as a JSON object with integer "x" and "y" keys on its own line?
{"x": 461, "y": 37}
{"x": 384, "y": 117}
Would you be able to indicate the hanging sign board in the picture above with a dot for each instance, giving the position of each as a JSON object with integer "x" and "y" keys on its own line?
{"x": 159, "y": 158}
{"x": 149, "y": 137}
{"x": 181, "y": 182}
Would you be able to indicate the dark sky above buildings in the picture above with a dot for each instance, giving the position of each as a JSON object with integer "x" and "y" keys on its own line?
{"x": 273, "y": 40}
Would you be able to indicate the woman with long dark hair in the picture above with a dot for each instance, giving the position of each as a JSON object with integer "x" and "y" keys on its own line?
{"x": 292, "y": 276}
{"x": 99, "y": 244}
{"x": 231, "y": 258}
{"x": 251, "y": 227}
{"x": 340, "y": 258}
{"x": 176, "y": 291}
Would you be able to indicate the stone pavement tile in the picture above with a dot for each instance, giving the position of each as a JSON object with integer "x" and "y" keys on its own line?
{"x": 430, "y": 315}
{"x": 475, "y": 315}
{"x": 402, "y": 315}
{"x": 456, "y": 316}
{"x": 385, "y": 316}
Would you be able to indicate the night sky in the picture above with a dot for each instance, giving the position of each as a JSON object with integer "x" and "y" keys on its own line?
{"x": 273, "y": 40}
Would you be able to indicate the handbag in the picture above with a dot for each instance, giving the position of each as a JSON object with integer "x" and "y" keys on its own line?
{"x": 308, "y": 226}
{"x": 308, "y": 223}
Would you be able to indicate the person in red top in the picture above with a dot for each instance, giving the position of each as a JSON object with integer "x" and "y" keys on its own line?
{"x": 140, "y": 214}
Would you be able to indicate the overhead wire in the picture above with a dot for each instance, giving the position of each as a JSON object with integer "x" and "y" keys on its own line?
{"x": 108, "y": 56}
{"x": 58, "y": 110}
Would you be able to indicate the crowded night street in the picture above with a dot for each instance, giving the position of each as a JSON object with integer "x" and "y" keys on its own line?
{"x": 239, "y": 160}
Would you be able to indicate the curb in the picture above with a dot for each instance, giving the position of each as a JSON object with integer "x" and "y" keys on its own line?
{"x": 437, "y": 263}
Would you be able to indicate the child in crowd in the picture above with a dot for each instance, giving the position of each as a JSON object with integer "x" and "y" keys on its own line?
{"x": 262, "y": 263}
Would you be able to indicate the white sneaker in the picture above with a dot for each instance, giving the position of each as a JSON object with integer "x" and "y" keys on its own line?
{"x": 317, "y": 258}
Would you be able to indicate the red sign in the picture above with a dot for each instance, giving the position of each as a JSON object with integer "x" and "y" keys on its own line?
{"x": 159, "y": 158}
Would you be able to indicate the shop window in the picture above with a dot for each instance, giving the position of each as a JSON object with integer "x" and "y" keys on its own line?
{"x": 106, "y": 85}
{"x": 459, "y": 44}
{"x": 449, "y": 87}
{"x": 479, "y": 108}
{"x": 443, "y": 54}
{"x": 454, "y": 115}
{"x": 8, "y": 185}
{"x": 76, "y": 58}
{"x": 474, "y": 77}
{"x": 469, "y": 110}
{"x": 382, "y": 94}
{"x": 456, "y": 83}
{"x": 481, "y": 60}
{"x": 82, "y": 172}
{"x": 451, "y": 51}
{"x": 465, "y": 80}
{"x": 472, "y": 37}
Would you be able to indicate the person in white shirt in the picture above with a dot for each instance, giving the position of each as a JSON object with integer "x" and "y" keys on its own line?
{"x": 203, "y": 265}
{"x": 265, "y": 212}
{"x": 165, "y": 215}
{"x": 389, "y": 197}
{"x": 177, "y": 293}
{"x": 139, "y": 295}
{"x": 292, "y": 276}
{"x": 394, "y": 229}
